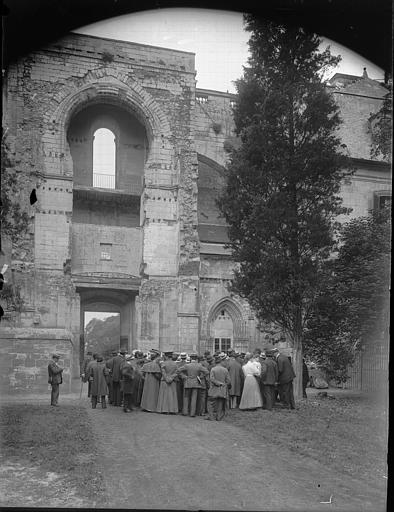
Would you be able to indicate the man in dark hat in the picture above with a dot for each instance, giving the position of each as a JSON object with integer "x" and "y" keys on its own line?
{"x": 236, "y": 377}
{"x": 114, "y": 366}
{"x": 98, "y": 374}
{"x": 55, "y": 378}
{"x": 87, "y": 371}
{"x": 108, "y": 364}
{"x": 285, "y": 378}
{"x": 192, "y": 384}
{"x": 219, "y": 379}
{"x": 181, "y": 378}
{"x": 206, "y": 354}
{"x": 128, "y": 373}
{"x": 208, "y": 363}
{"x": 269, "y": 377}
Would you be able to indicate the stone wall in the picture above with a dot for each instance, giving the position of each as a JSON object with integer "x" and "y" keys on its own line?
{"x": 25, "y": 355}
{"x": 161, "y": 221}
{"x": 213, "y": 123}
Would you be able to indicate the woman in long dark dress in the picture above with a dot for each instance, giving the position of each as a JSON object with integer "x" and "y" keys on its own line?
{"x": 152, "y": 375}
{"x": 168, "y": 399}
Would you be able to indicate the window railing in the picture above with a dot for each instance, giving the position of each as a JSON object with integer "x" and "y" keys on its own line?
{"x": 103, "y": 180}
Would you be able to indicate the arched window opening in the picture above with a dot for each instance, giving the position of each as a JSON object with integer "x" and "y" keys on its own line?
{"x": 104, "y": 158}
{"x": 222, "y": 330}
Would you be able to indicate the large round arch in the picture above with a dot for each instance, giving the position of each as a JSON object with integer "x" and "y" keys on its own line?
{"x": 97, "y": 87}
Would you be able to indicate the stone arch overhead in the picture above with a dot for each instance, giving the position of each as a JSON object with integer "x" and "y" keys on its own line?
{"x": 211, "y": 163}
{"x": 103, "y": 85}
{"x": 234, "y": 310}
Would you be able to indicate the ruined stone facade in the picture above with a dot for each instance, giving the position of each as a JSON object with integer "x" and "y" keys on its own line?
{"x": 151, "y": 245}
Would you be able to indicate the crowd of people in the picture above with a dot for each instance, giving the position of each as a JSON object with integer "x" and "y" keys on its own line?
{"x": 192, "y": 385}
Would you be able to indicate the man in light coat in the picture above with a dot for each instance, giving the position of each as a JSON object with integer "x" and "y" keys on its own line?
{"x": 218, "y": 391}
{"x": 194, "y": 371}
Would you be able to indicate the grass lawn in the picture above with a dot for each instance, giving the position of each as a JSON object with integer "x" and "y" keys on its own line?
{"x": 48, "y": 457}
{"x": 347, "y": 434}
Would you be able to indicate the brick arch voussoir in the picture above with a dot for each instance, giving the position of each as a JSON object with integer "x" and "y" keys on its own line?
{"x": 92, "y": 87}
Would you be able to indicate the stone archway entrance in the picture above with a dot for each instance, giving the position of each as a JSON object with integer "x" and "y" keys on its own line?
{"x": 113, "y": 303}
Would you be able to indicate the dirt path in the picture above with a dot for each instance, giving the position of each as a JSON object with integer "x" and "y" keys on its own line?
{"x": 174, "y": 462}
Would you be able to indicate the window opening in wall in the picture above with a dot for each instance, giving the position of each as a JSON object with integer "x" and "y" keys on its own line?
{"x": 222, "y": 344}
{"x": 106, "y": 252}
{"x": 384, "y": 201}
{"x": 101, "y": 332}
{"x": 222, "y": 331}
{"x": 201, "y": 98}
{"x": 104, "y": 158}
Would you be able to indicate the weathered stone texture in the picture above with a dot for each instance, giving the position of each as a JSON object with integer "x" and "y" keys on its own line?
{"x": 25, "y": 354}
{"x": 213, "y": 123}
{"x": 124, "y": 249}
{"x": 161, "y": 225}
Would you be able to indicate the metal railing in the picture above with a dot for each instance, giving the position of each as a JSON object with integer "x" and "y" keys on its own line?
{"x": 103, "y": 180}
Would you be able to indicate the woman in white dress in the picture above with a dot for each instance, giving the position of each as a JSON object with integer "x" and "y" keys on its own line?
{"x": 251, "y": 396}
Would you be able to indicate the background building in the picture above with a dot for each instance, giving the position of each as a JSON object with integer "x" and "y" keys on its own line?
{"x": 127, "y": 157}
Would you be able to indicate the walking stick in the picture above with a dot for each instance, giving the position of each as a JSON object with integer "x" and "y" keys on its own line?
{"x": 80, "y": 393}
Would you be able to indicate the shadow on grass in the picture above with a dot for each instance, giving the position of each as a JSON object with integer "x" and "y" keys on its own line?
{"x": 57, "y": 440}
{"x": 348, "y": 435}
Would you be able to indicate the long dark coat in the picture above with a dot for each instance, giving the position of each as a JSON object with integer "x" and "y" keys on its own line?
{"x": 114, "y": 365}
{"x": 54, "y": 373}
{"x": 236, "y": 377}
{"x": 99, "y": 372}
{"x": 150, "y": 393}
{"x": 269, "y": 372}
{"x": 285, "y": 369}
{"x": 128, "y": 377}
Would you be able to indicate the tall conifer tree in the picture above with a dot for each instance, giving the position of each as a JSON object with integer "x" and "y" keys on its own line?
{"x": 281, "y": 200}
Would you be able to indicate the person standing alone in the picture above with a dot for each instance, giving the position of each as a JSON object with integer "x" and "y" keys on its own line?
{"x": 55, "y": 378}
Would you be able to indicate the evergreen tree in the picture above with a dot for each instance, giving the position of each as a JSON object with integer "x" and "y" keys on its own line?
{"x": 281, "y": 198}
{"x": 353, "y": 308}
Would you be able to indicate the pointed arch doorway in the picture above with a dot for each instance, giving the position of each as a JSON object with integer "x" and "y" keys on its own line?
{"x": 226, "y": 326}
{"x": 222, "y": 331}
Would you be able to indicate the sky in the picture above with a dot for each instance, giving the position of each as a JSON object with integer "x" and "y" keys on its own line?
{"x": 99, "y": 315}
{"x": 216, "y": 37}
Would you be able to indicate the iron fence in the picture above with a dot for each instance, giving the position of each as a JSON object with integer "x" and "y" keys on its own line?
{"x": 103, "y": 180}
{"x": 370, "y": 369}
